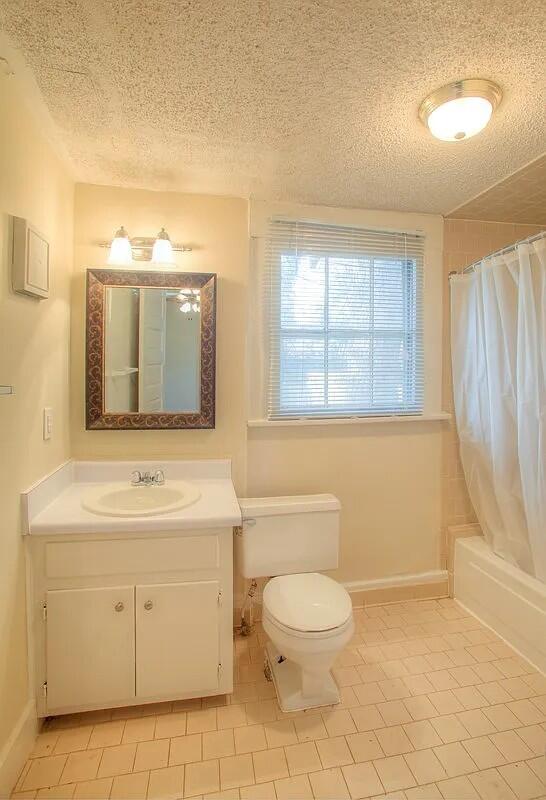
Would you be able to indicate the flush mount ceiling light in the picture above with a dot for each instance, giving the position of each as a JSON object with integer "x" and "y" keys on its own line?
{"x": 461, "y": 109}
{"x": 120, "y": 249}
{"x": 162, "y": 252}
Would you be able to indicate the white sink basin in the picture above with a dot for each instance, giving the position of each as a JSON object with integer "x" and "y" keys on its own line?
{"x": 121, "y": 500}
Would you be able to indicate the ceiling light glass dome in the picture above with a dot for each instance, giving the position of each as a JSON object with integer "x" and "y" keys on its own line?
{"x": 461, "y": 109}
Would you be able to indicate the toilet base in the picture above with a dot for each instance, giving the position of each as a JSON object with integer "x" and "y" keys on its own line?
{"x": 288, "y": 685}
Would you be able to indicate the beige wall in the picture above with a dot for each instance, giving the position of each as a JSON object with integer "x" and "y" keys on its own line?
{"x": 217, "y": 228}
{"x": 34, "y": 357}
{"x": 387, "y": 475}
{"x": 465, "y": 241}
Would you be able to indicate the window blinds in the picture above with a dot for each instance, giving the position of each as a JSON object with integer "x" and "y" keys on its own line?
{"x": 344, "y": 320}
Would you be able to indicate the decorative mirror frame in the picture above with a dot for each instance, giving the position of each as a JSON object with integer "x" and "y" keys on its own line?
{"x": 98, "y": 280}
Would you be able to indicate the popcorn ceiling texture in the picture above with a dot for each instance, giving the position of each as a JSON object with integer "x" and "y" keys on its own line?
{"x": 307, "y": 100}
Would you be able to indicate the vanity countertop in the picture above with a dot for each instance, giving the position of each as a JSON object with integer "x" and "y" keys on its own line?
{"x": 53, "y": 505}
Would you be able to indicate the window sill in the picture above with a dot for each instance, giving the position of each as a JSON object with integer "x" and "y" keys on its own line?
{"x": 440, "y": 416}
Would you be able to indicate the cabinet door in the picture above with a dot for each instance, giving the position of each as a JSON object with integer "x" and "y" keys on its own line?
{"x": 90, "y": 646}
{"x": 177, "y": 638}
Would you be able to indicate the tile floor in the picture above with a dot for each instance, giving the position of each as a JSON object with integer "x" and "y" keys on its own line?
{"x": 433, "y": 706}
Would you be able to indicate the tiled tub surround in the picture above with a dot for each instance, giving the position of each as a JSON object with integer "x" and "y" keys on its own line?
{"x": 434, "y": 705}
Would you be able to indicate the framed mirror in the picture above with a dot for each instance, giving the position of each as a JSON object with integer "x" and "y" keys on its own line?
{"x": 150, "y": 349}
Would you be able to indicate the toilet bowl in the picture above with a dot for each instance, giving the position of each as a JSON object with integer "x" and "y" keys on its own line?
{"x": 308, "y": 619}
{"x": 307, "y": 616}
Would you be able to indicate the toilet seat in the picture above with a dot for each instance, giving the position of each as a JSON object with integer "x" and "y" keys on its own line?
{"x": 307, "y": 603}
{"x": 317, "y": 636}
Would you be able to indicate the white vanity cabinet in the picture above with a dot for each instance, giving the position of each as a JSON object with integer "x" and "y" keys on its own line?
{"x": 90, "y": 646}
{"x": 182, "y": 619}
{"x": 126, "y": 618}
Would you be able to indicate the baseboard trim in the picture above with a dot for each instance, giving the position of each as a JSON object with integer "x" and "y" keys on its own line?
{"x": 17, "y": 748}
{"x": 376, "y": 591}
{"x": 399, "y": 588}
{"x": 411, "y": 579}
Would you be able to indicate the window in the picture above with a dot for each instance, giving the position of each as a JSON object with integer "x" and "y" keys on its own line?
{"x": 344, "y": 321}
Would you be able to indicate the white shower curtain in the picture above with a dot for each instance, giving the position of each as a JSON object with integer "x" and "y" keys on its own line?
{"x": 498, "y": 342}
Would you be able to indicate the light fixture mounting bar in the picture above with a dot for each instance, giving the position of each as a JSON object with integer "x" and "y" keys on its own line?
{"x": 142, "y": 247}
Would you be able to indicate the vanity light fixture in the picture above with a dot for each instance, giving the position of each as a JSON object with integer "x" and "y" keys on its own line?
{"x": 120, "y": 249}
{"x": 162, "y": 252}
{"x": 123, "y": 250}
{"x": 461, "y": 109}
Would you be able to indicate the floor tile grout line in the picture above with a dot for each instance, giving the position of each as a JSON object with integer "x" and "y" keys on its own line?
{"x": 520, "y": 726}
{"x": 513, "y": 669}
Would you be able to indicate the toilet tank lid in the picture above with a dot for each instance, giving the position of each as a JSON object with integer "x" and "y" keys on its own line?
{"x": 296, "y": 504}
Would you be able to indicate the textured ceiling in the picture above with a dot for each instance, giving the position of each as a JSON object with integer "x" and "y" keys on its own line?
{"x": 519, "y": 198}
{"x": 307, "y": 100}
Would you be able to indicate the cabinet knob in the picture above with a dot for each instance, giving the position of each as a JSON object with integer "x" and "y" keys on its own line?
{"x": 119, "y": 606}
{"x": 148, "y": 605}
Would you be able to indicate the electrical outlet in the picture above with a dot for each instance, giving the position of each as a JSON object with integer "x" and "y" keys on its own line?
{"x": 48, "y": 424}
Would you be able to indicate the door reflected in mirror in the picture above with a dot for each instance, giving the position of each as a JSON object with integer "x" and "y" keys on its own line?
{"x": 152, "y": 350}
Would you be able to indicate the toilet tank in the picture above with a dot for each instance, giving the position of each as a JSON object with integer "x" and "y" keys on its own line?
{"x": 284, "y": 535}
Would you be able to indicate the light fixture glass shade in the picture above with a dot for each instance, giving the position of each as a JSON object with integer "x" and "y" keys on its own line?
{"x": 120, "y": 249}
{"x": 460, "y": 110}
{"x": 460, "y": 119}
{"x": 162, "y": 252}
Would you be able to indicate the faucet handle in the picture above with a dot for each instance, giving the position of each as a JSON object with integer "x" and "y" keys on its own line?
{"x": 136, "y": 477}
{"x": 159, "y": 477}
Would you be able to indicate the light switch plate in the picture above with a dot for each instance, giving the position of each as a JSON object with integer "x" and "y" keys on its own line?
{"x": 48, "y": 424}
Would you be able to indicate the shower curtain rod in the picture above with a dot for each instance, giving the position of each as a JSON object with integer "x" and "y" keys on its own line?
{"x": 472, "y": 267}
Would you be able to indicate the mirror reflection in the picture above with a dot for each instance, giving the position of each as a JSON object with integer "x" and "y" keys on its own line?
{"x": 152, "y": 350}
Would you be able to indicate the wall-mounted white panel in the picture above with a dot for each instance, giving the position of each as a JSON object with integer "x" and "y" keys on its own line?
{"x": 30, "y": 259}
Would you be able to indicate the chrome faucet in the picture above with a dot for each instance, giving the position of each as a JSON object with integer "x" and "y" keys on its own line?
{"x": 139, "y": 478}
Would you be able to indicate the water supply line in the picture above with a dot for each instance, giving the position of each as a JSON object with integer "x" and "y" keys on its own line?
{"x": 246, "y": 627}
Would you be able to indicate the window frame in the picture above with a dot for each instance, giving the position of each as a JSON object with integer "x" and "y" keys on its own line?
{"x": 411, "y": 337}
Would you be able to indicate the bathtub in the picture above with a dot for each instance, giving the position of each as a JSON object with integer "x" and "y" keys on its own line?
{"x": 506, "y": 599}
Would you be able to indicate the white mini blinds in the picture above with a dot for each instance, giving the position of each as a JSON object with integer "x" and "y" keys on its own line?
{"x": 344, "y": 321}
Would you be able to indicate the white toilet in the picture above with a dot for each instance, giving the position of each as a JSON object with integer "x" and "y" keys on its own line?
{"x": 307, "y": 616}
